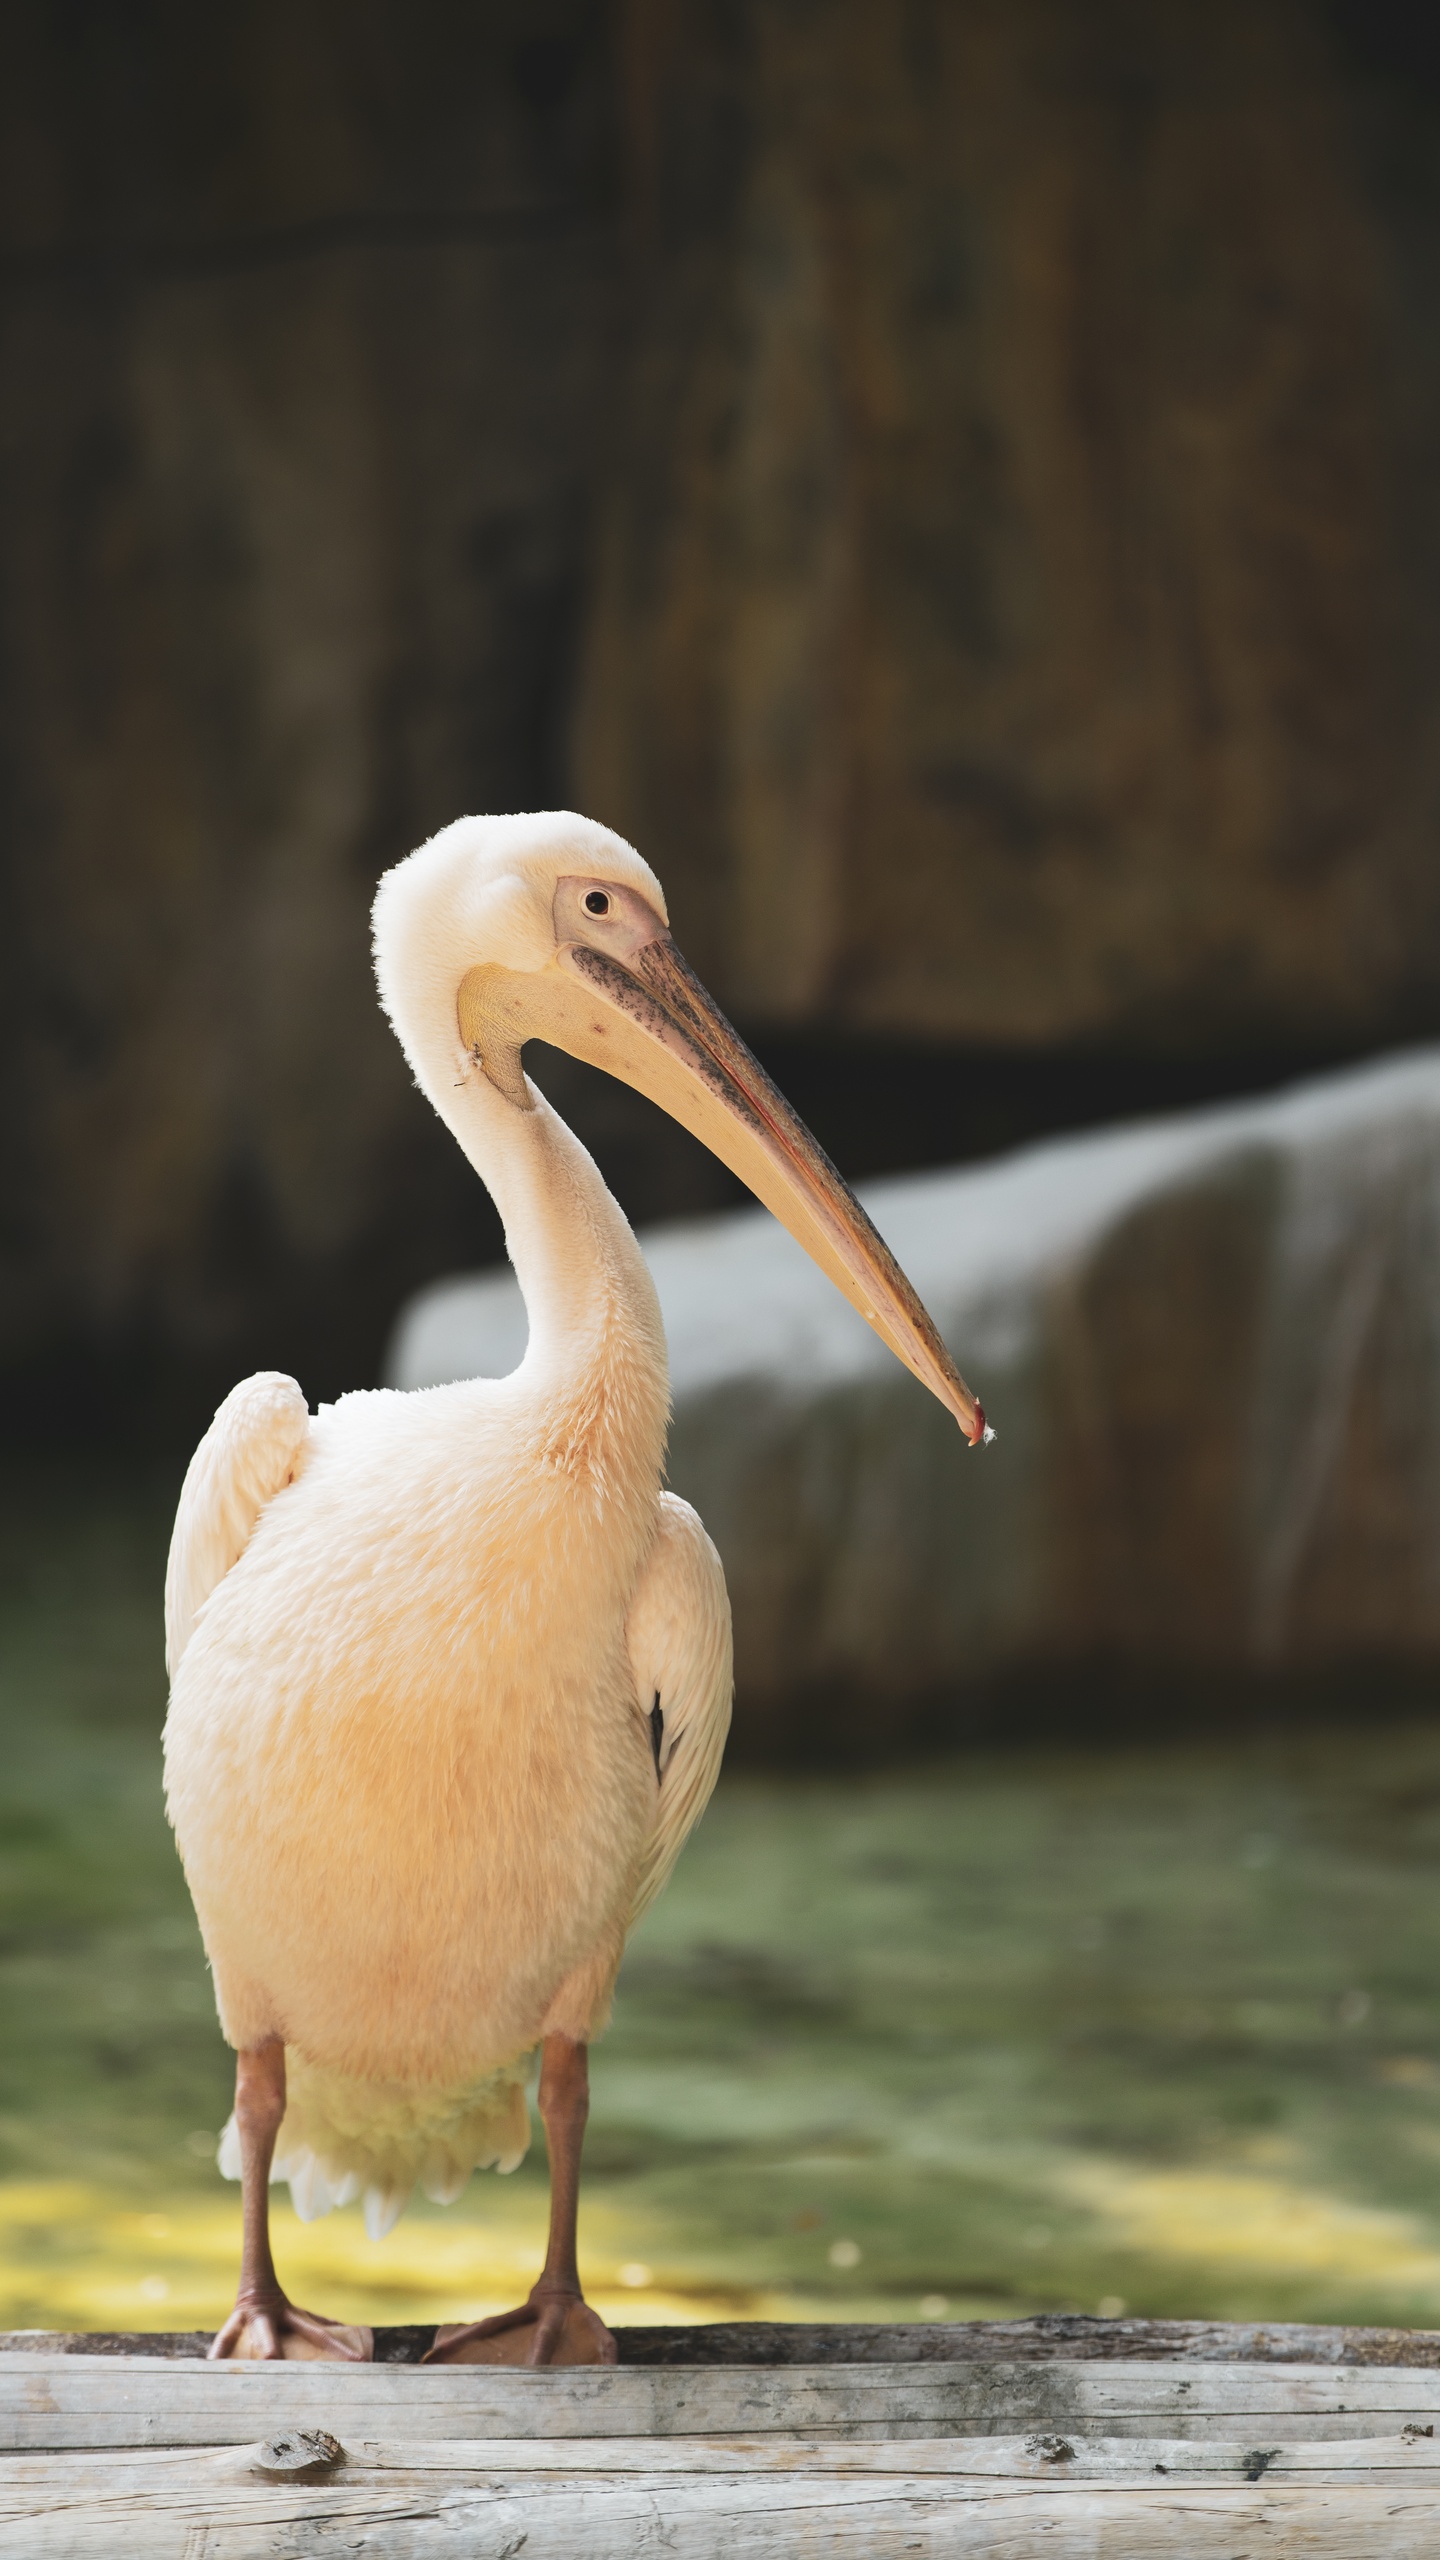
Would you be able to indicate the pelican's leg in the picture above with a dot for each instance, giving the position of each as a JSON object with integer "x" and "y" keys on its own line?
{"x": 263, "y": 2316}
{"x": 556, "y": 2306}
{"x": 558, "y": 2300}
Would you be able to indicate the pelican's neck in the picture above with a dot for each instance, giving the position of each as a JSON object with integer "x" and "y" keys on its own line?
{"x": 597, "y": 1345}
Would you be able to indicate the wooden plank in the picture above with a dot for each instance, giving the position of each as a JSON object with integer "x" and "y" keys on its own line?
{"x": 1073, "y": 2337}
{"x": 32, "y": 2483}
{"x": 747, "y": 2516}
{"x": 50, "y": 2403}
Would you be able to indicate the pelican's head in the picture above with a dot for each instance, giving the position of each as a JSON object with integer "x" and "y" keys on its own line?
{"x": 548, "y": 927}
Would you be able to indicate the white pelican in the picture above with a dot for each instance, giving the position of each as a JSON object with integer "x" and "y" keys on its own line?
{"x": 450, "y": 1674}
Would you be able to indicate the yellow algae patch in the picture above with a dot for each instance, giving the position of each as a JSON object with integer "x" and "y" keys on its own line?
{"x": 73, "y": 2257}
{"x": 1257, "y": 2226}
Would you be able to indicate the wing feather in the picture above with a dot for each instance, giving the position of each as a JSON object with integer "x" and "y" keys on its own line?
{"x": 254, "y": 1446}
{"x": 678, "y": 1633}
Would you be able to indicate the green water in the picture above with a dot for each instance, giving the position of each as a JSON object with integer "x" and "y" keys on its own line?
{"x": 1159, "y": 2026}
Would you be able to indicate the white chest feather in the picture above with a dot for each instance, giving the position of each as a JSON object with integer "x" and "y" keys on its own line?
{"x": 406, "y": 1762}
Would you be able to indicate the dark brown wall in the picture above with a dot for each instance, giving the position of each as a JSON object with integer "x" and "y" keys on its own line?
{"x": 1019, "y": 617}
{"x": 981, "y": 457}
{"x": 302, "y": 319}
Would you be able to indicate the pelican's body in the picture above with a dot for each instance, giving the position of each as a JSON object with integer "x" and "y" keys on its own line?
{"x": 431, "y": 1635}
{"x": 450, "y": 1672}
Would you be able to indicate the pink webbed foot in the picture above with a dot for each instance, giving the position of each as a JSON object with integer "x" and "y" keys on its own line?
{"x": 269, "y": 2327}
{"x": 555, "y": 2326}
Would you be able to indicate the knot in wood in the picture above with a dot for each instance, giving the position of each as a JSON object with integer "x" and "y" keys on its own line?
{"x": 305, "y": 2454}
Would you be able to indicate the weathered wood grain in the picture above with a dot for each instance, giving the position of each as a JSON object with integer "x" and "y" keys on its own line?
{"x": 54, "y": 2403}
{"x": 30, "y": 2484}
{"x": 748, "y": 2516}
{"x": 1074, "y": 2336}
{"x": 971, "y": 2456}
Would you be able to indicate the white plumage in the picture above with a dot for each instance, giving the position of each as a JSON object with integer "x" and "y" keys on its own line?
{"x": 251, "y": 1449}
{"x": 433, "y": 1634}
{"x": 423, "y": 1928}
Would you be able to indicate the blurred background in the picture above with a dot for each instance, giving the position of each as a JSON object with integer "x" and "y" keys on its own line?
{"x": 959, "y": 485}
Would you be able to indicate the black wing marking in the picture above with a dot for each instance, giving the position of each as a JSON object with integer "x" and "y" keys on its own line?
{"x": 657, "y": 1733}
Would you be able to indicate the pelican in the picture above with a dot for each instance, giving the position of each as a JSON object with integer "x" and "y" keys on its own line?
{"x": 450, "y": 1672}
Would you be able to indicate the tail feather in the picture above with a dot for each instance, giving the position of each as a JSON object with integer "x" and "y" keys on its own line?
{"x": 343, "y": 2139}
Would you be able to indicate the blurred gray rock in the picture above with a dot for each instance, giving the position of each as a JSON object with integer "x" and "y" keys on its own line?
{"x": 1211, "y": 1349}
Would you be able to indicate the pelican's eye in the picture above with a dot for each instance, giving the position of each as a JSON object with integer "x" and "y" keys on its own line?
{"x": 596, "y": 903}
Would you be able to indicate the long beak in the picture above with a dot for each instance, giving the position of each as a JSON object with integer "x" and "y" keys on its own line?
{"x": 652, "y": 1024}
